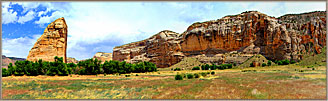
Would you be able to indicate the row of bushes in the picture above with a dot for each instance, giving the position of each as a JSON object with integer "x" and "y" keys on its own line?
{"x": 190, "y": 76}
{"x": 279, "y": 62}
{"x": 87, "y": 67}
{"x": 213, "y": 67}
{"x": 94, "y": 66}
{"x": 58, "y": 67}
{"x": 284, "y": 62}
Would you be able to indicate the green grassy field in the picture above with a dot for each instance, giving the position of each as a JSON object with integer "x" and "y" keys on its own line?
{"x": 275, "y": 82}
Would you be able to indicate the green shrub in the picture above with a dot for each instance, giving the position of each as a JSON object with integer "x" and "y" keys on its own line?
{"x": 178, "y": 77}
{"x": 212, "y": 72}
{"x": 137, "y": 75}
{"x": 105, "y": 74}
{"x": 5, "y": 72}
{"x": 264, "y": 64}
{"x": 196, "y": 75}
{"x": 292, "y": 62}
{"x": 280, "y": 63}
{"x": 195, "y": 68}
{"x": 127, "y": 75}
{"x": 285, "y": 62}
{"x": 313, "y": 68}
{"x": 203, "y": 74}
{"x": 234, "y": 64}
{"x": 177, "y": 69}
{"x": 269, "y": 63}
{"x": 190, "y": 76}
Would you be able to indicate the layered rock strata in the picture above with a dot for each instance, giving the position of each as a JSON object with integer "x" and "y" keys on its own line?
{"x": 248, "y": 33}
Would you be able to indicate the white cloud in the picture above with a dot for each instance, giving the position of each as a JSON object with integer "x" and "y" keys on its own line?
{"x": 18, "y": 47}
{"x": 48, "y": 19}
{"x": 275, "y": 9}
{"x": 29, "y": 16}
{"x": 301, "y": 7}
{"x": 8, "y": 16}
{"x": 5, "y": 51}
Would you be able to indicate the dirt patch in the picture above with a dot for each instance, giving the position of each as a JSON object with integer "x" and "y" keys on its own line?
{"x": 6, "y": 93}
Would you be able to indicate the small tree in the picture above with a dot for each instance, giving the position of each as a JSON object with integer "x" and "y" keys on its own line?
{"x": 5, "y": 72}
{"x": 212, "y": 72}
{"x": 178, "y": 77}
{"x": 190, "y": 76}
{"x": 264, "y": 64}
{"x": 196, "y": 75}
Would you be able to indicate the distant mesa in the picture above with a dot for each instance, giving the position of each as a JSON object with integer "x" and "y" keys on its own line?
{"x": 53, "y": 42}
{"x": 72, "y": 60}
{"x": 103, "y": 56}
{"x": 7, "y": 60}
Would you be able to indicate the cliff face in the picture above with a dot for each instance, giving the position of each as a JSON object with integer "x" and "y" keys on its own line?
{"x": 163, "y": 49}
{"x": 53, "y": 42}
{"x": 286, "y": 37}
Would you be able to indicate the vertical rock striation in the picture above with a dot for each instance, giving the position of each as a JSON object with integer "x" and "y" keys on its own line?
{"x": 231, "y": 38}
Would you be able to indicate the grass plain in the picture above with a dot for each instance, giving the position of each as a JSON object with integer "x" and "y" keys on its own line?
{"x": 271, "y": 82}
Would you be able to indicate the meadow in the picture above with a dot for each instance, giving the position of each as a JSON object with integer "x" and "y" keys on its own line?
{"x": 271, "y": 82}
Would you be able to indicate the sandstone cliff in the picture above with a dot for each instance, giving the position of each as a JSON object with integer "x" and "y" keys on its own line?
{"x": 233, "y": 39}
{"x": 163, "y": 49}
{"x": 53, "y": 42}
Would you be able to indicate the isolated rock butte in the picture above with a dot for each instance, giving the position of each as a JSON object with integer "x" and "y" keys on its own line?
{"x": 53, "y": 42}
{"x": 251, "y": 32}
{"x": 103, "y": 56}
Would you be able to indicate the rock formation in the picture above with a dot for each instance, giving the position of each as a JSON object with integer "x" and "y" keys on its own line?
{"x": 163, "y": 49}
{"x": 103, "y": 56}
{"x": 231, "y": 38}
{"x": 71, "y": 60}
{"x": 53, "y": 42}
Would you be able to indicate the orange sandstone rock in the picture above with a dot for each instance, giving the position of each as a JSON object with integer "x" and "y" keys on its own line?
{"x": 53, "y": 42}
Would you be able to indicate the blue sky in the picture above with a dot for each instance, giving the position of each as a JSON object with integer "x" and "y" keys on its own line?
{"x": 100, "y": 26}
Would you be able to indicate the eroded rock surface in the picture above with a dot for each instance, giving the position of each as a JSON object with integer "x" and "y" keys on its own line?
{"x": 248, "y": 33}
{"x": 53, "y": 42}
